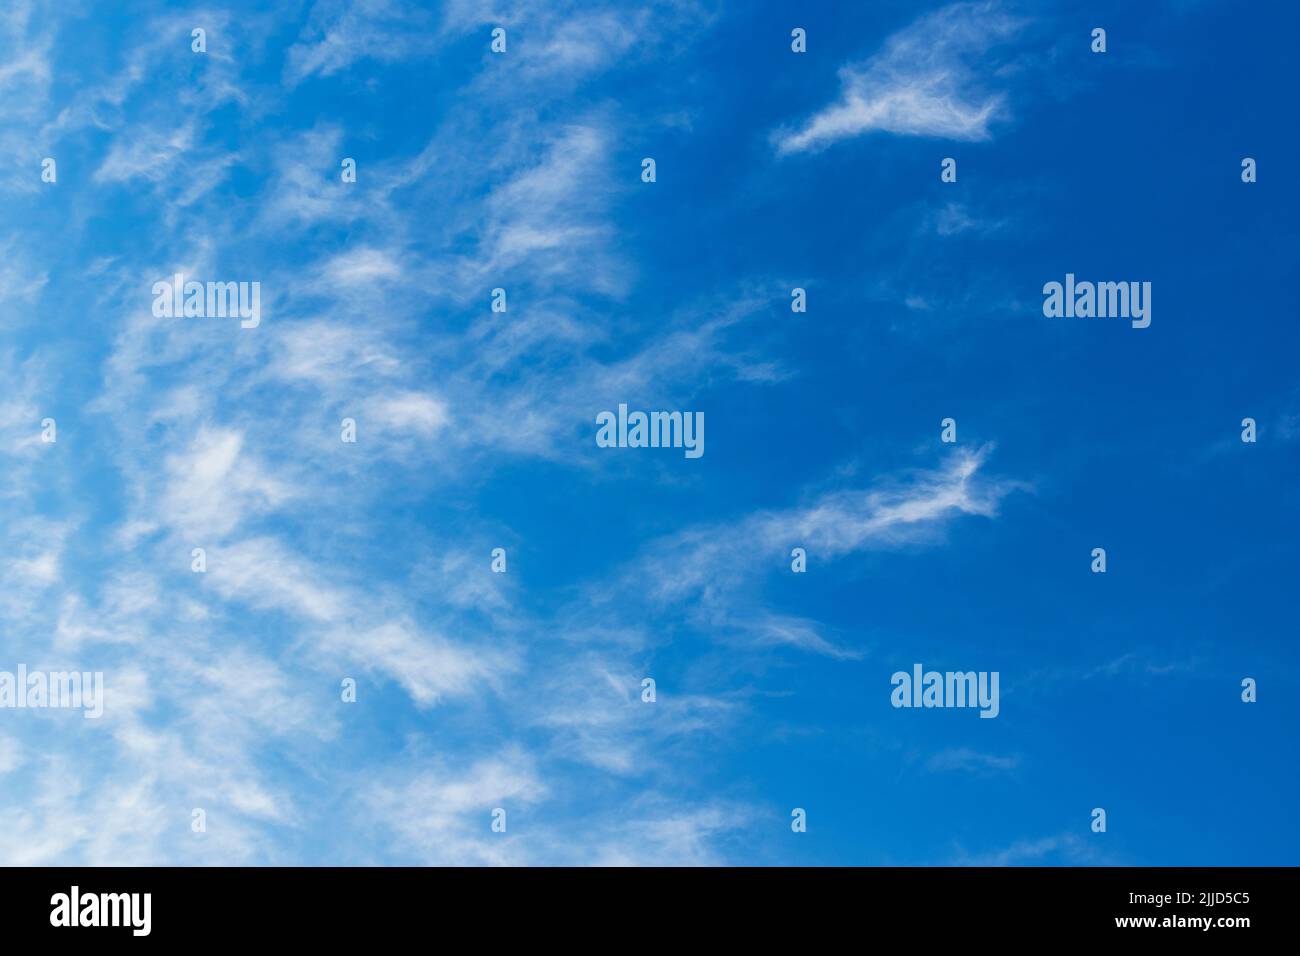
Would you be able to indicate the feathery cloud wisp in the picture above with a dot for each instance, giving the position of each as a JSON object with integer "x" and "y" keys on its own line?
{"x": 923, "y": 83}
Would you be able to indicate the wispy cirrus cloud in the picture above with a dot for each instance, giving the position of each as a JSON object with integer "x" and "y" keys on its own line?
{"x": 965, "y": 759}
{"x": 930, "y": 79}
{"x": 1063, "y": 849}
{"x": 340, "y": 33}
{"x": 716, "y": 570}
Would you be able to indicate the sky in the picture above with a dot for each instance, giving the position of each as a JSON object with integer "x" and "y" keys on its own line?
{"x": 329, "y": 562}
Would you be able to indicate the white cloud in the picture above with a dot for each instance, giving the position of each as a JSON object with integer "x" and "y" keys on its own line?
{"x": 970, "y": 761}
{"x": 1064, "y": 849}
{"x": 214, "y": 485}
{"x": 443, "y": 815}
{"x": 11, "y": 754}
{"x": 686, "y": 836}
{"x": 926, "y": 81}
{"x": 712, "y": 576}
{"x": 712, "y": 569}
{"x": 429, "y": 667}
{"x": 266, "y": 574}
{"x": 408, "y": 411}
{"x": 361, "y": 267}
{"x": 593, "y": 708}
{"x": 341, "y": 32}
{"x": 151, "y": 155}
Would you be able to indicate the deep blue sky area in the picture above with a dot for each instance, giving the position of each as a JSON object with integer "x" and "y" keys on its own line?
{"x": 330, "y": 561}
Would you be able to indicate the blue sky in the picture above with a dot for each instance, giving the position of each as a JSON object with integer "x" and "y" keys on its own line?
{"x": 476, "y": 430}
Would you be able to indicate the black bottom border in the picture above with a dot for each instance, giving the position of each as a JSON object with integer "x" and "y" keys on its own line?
{"x": 620, "y": 906}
